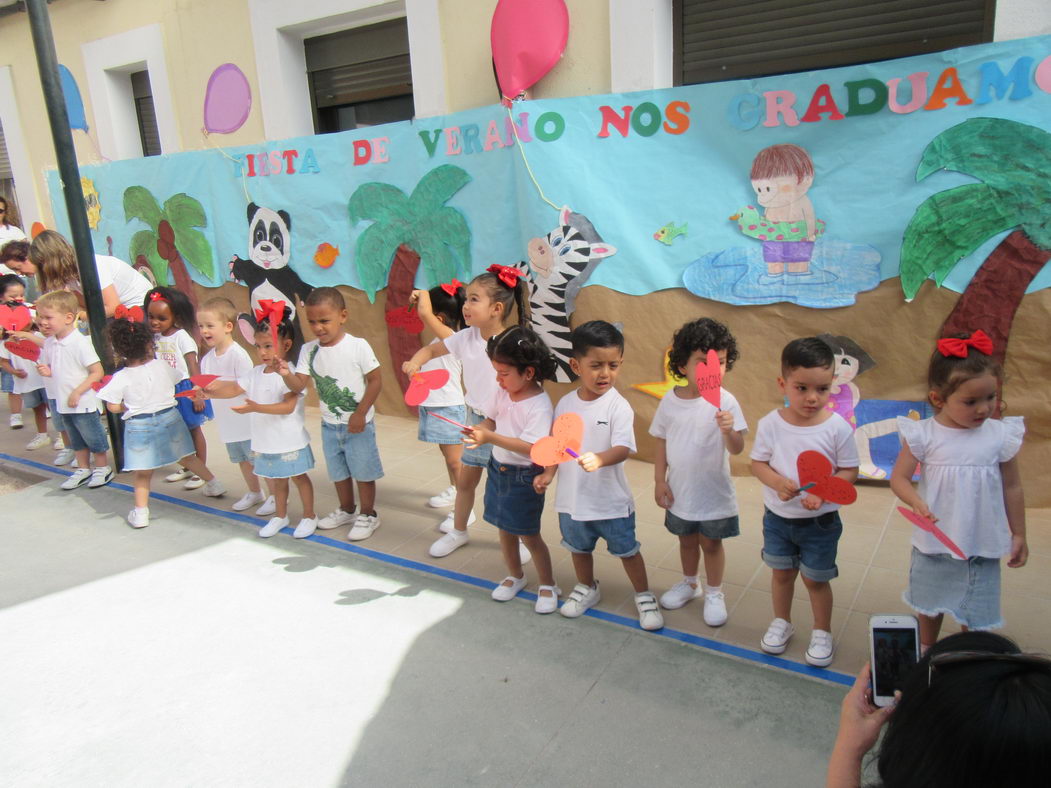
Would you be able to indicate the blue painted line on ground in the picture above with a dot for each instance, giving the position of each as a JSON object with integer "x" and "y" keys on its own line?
{"x": 759, "y": 657}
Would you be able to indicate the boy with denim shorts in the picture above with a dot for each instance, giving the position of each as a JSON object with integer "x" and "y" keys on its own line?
{"x": 346, "y": 375}
{"x": 800, "y": 530}
{"x": 593, "y": 499}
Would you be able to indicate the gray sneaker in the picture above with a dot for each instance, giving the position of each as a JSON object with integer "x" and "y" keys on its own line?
{"x": 580, "y": 599}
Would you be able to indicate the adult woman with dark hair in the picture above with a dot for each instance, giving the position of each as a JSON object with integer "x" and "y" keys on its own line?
{"x": 9, "y": 230}
{"x": 975, "y": 711}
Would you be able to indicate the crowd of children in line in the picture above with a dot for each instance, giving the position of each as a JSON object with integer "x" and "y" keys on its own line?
{"x": 970, "y": 483}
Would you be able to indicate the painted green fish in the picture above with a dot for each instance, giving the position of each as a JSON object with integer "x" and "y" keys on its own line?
{"x": 338, "y": 399}
{"x": 669, "y": 233}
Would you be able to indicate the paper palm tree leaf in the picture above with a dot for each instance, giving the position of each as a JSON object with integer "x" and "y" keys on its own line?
{"x": 448, "y": 226}
{"x": 144, "y": 242}
{"x": 378, "y": 202}
{"x": 438, "y": 260}
{"x": 947, "y": 227}
{"x": 195, "y": 250}
{"x": 1039, "y": 230}
{"x": 374, "y": 254}
{"x": 182, "y": 210}
{"x": 436, "y": 187}
{"x": 140, "y": 204}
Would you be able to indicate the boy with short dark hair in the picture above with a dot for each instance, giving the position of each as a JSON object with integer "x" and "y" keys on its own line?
{"x": 800, "y": 530}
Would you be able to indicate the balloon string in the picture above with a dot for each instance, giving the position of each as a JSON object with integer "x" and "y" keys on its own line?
{"x": 240, "y": 164}
{"x": 521, "y": 149}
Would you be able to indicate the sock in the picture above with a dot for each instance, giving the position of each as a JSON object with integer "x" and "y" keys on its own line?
{"x": 712, "y": 589}
{"x": 692, "y": 580}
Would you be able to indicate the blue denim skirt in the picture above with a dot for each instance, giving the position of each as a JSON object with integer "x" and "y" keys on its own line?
{"x": 153, "y": 440}
{"x": 511, "y": 504}
{"x": 969, "y": 591}
{"x": 284, "y": 466}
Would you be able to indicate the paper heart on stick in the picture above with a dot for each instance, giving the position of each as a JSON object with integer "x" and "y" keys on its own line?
{"x": 925, "y": 524}
{"x": 24, "y": 348}
{"x": 563, "y": 444}
{"x": 815, "y": 475}
{"x": 203, "y": 380}
{"x": 709, "y": 377}
{"x": 99, "y": 384}
{"x": 15, "y": 318}
{"x": 423, "y": 383}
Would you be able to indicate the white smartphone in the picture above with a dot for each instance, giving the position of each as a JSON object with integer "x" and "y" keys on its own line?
{"x": 894, "y": 648}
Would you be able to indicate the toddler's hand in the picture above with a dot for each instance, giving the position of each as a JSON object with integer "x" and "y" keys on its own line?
{"x": 542, "y": 481}
{"x": 282, "y": 368}
{"x": 725, "y": 420}
{"x": 662, "y": 495}
{"x": 1019, "y": 552}
{"x": 409, "y": 368}
{"x": 356, "y": 423}
{"x": 198, "y": 402}
{"x": 74, "y": 398}
{"x": 421, "y": 299}
{"x": 19, "y": 373}
{"x": 44, "y": 370}
{"x": 812, "y": 503}
{"x": 589, "y": 461}
{"x": 475, "y": 437}
{"x": 787, "y": 489}
{"x": 248, "y": 406}
{"x": 922, "y": 510}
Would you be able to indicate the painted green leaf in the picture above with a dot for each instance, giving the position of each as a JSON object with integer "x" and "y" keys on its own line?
{"x": 144, "y": 243}
{"x": 182, "y": 210}
{"x": 140, "y": 204}
{"x": 378, "y": 202}
{"x": 194, "y": 249}
{"x": 449, "y": 227}
{"x": 438, "y": 261}
{"x": 436, "y": 187}
{"x": 375, "y": 253}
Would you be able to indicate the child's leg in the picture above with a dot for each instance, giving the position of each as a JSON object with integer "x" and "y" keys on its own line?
{"x": 367, "y": 496}
{"x": 714, "y": 560}
{"x": 65, "y": 438}
{"x": 142, "y": 488}
{"x": 466, "y": 483}
{"x": 200, "y": 447}
{"x": 192, "y": 462}
{"x": 635, "y": 568}
{"x": 14, "y": 403}
{"x": 930, "y": 627}
{"x": 40, "y": 416}
{"x": 541, "y": 558}
{"x": 820, "y": 602}
{"x": 451, "y": 453}
{"x": 584, "y": 568}
{"x": 101, "y": 459}
{"x": 249, "y": 475}
{"x": 782, "y": 583}
{"x": 345, "y": 494}
{"x": 690, "y": 554}
{"x": 279, "y": 489}
{"x": 306, "y": 494}
{"x": 509, "y": 550}
{"x": 83, "y": 458}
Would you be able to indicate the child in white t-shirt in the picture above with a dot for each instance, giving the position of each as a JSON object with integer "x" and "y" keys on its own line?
{"x": 593, "y": 499}
{"x": 231, "y": 362}
{"x": 691, "y": 466}
{"x": 29, "y": 387}
{"x": 346, "y": 376}
{"x": 801, "y": 530}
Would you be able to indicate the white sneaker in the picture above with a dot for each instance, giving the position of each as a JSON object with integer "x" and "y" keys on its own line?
{"x": 650, "y": 617}
{"x": 714, "y": 608}
{"x": 80, "y": 477}
{"x": 15, "y": 421}
{"x": 64, "y": 457}
{"x": 139, "y": 518}
{"x": 447, "y": 526}
{"x": 547, "y": 604}
{"x": 448, "y": 543}
{"x": 247, "y": 501}
{"x": 100, "y": 477}
{"x": 194, "y": 482}
{"x": 41, "y": 440}
{"x": 775, "y": 641}
{"x": 178, "y": 476}
{"x": 363, "y": 527}
{"x": 524, "y": 556}
{"x": 273, "y": 526}
{"x": 268, "y": 508}
{"x": 580, "y": 599}
{"x": 58, "y": 445}
{"x": 446, "y": 497}
{"x": 819, "y": 652}
{"x": 306, "y": 527}
{"x": 505, "y": 592}
{"x": 214, "y": 488}
{"x": 336, "y": 519}
{"x": 679, "y": 594}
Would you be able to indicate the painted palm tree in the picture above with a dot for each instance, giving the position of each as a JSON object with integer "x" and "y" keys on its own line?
{"x": 405, "y": 232}
{"x": 172, "y": 240}
{"x": 1013, "y": 162}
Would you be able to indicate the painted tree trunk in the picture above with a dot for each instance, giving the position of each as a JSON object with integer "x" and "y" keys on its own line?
{"x": 400, "y": 284}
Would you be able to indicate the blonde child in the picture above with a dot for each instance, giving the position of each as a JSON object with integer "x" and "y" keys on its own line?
{"x": 154, "y": 432}
{"x": 520, "y": 415}
{"x": 970, "y": 486}
{"x": 346, "y": 376}
{"x": 441, "y": 310}
{"x": 231, "y": 362}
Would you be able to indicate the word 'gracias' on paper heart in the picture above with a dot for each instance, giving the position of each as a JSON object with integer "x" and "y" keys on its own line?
{"x": 709, "y": 377}
{"x": 24, "y": 348}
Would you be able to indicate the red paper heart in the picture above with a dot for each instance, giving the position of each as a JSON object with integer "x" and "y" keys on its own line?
{"x": 24, "y": 348}
{"x": 423, "y": 383}
{"x": 709, "y": 377}
{"x": 203, "y": 380}
{"x": 928, "y": 525}
{"x": 563, "y": 444}
{"x": 98, "y": 384}
{"x": 15, "y": 318}
{"x": 815, "y": 470}
{"x": 402, "y": 318}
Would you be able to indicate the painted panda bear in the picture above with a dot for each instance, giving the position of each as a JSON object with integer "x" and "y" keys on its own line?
{"x": 266, "y": 273}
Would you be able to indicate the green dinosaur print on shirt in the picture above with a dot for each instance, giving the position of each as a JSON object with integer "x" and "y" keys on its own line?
{"x": 338, "y": 399}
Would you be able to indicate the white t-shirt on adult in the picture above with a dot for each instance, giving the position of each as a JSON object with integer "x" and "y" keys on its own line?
{"x": 9, "y": 232}
{"x": 147, "y": 388}
{"x": 131, "y": 286}
{"x": 33, "y": 380}
{"x": 338, "y": 372}
{"x": 452, "y": 392}
{"x": 603, "y": 494}
{"x": 172, "y": 349}
{"x": 69, "y": 359}
{"x": 698, "y": 462}
{"x": 272, "y": 434}
{"x": 961, "y": 482}
{"x": 479, "y": 377}
{"x": 233, "y": 365}
{"x": 780, "y": 444}
{"x": 527, "y": 419}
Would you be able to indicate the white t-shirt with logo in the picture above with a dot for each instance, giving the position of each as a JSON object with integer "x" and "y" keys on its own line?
{"x": 233, "y": 365}
{"x": 173, "y": 349}
{"x": 273, "y": 434}
{"x": 479, "y": 377}
{"x": 338, "y": 372}
{"x": 131, "y": 286}
{"x": 69, "y": 359}
{"x": 33, "y": 380}
{"x": 146, "y": 388}
{"x": 452, "y": 392}
{"x": 698, "y": 462}
{"x": 527, "y": 419}
{"x": 602, "y": 494}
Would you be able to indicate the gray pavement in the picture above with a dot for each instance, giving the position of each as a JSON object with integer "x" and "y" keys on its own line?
{"x": 193, "y": 653}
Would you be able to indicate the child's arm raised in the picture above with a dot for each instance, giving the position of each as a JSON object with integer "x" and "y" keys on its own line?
{"x": 662, "y": 493}
{"x": 1014, "y": 502}
{"x": 94, "y": 375}
{"x": 422, "y": 299}
{"x": 423, "y": 355}
{"x": 282, "y": 408}
{"x": 785, "y": 488}
{"x": 373, "y": 384}
{"x": 901, "y": 483}
{"x": 26, "y": 335}
{"x": 296, "y": 381}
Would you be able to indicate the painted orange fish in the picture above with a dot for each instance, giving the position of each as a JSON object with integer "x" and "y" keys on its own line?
{"x": 326, "y": 255}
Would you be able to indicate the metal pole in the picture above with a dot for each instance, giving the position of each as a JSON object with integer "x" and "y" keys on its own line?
{"x": 65, "y": 153}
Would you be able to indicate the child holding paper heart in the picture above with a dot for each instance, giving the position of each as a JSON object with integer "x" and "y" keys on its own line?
{"x": 801, "y": 535}
{"x": 970, "y": 486}
{"x": 692, "y": 465}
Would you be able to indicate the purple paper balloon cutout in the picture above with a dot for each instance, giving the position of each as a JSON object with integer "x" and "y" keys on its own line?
{"x": 227, "y": 100}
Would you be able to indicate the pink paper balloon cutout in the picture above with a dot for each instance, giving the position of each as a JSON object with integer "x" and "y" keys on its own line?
{"x": 528, "y": 37}
{"x": 227, "y": 100}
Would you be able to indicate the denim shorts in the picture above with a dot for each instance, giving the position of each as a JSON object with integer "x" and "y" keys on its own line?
{"x": 434, "y": 430}
{"x": 581, "y": 536}
{"x": 284, "y": 466}
{"x": 7, "y": 383}
{"x": 722, "y": 528}
{"x": 85, "y": 432}
{"x": 351, "y": 454}
{"x": 479, "y": 458}
{"x": 804, "y": 543}
{"x": 56, "y": 418}
{"x": 34, "y": 398}
{"x": 969, "y": 591}
{"x": 191, "y": 417}
{"x": 153, "y": 440}
{"x": 511, "y": 503}
{"x": 240, "y": 451}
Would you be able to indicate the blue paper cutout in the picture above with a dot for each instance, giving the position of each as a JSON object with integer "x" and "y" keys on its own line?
{"x": 74, "y": 103}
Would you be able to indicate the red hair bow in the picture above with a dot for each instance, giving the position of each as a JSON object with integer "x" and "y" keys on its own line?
{"x": 451, "y": 287}
{"x": 954, "y": 346}
{"x": 507, "y": 274}
{"x": 134, "y": 313}
{"x": 155, "y": 296}
{"x": 273, "y": 312}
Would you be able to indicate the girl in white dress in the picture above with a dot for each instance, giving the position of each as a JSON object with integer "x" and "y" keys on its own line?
{"x": 970, "y": 487}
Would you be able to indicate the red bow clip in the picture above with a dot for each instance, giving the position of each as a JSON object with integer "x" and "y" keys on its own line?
{"x": 507, "y": 274}
{"x": 954, "y": 346}
{"x": 451, "y": 287}
{"x": 274, "y": 313}
{"x": 134, "y": 313}
{"x": 155, "y": 296}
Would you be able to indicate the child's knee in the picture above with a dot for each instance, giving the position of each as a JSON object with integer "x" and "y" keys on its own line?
{"x": 711, "y": 546}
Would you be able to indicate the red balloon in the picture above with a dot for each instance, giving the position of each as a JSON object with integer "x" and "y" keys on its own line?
{"x": 528, "y": 38}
